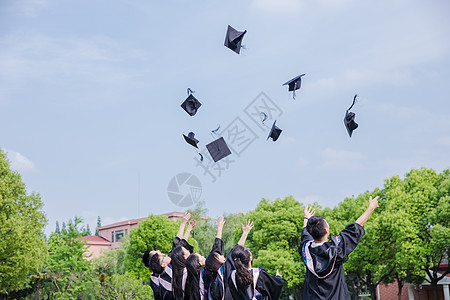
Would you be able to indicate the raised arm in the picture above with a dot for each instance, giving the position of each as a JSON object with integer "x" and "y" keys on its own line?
{"x": 189, "y": 229}
{"x": 219, "y": 225}
{"x": 307, "y": 213}
{"x": 184, "y": 221}
{"x": 373, "y": 203}
{"x": 245, "y": 230}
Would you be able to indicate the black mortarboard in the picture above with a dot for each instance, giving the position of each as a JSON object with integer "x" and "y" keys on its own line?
{"x": 295, "y": 84}
{"x": 190, "y": 139}
{"x": 234, "y": 38}
{"x": 349, "y": 119}
{"x": 191, "y": 104}
{"x": 218, "y": 149}
{"x": 274, "y": 132}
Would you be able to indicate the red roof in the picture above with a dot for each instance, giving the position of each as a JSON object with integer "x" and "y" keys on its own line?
{"x": 94, "y": 239}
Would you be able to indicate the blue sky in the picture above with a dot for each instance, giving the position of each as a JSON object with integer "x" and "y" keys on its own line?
{"x": 90, "y": 95}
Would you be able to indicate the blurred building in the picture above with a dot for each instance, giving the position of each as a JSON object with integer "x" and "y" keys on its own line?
{"x": 109, "y": 235}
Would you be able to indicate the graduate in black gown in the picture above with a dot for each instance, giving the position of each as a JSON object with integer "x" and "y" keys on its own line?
{"x": 157, "y": 261}
{"x": 173, "y": 278}
{"x": 219, "y": 288}
{"x": 247, "y": 283}
{"x": 212, "y": 264}
{"x": 324, "y": 278}
{"x": 194, "y": 264}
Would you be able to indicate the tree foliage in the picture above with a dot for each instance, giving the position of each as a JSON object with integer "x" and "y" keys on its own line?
{"x": 124, "y": 286}
{"x": 67, "y": 272}
{"x": 22, "y": 221}
{"x": 275, "y": 239}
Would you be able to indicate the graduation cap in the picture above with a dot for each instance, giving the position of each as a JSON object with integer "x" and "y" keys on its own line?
{"x": 218, "y": 149}
{"x": 234, "y": 38}
{"x": 274, "y": 132}
{"x": 349, "y": 119}
{"x": 190, "y": 139}
{"x": 191, "y": 104}
{"x": 295, "y": 84}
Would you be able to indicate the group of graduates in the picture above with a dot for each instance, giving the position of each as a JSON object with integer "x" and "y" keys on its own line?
{"x": 183, "y": 274}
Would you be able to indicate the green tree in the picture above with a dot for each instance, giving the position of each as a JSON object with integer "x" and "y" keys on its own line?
{"x": 275, "y": 240}
{"x": 88, "y": 230}
{"x": 124, "y": 286}
{"x": 99, "y": 224}
{"x": 22, "y": 221}
{"x": 418, "y": 223}
{"x": 204, "y": 231}
{"x": 232, "y": 224}
{"x": 67, "y": 273}
{"x": 57, "y": 229}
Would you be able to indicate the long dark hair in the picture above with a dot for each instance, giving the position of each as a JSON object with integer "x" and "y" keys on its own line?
{"x": 193, "y": 270}
{"x": 212, "y": 265}
{"x": 178, "y": 263}
{"x": 146, "y": 258}
{"x": 241, "y": 257}
{"x": 155, "y": 263}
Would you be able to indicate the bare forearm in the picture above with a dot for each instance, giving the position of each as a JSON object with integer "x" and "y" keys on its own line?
{"x": 187, "y": 233}
{"x": 242, "y": 239}
{"x": 219, "y": 233}
{"x": 365, "y": 216}
{"x": 181, "y": 230}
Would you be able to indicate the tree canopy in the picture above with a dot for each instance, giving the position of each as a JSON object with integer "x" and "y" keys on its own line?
{"x": 22, "y": 221}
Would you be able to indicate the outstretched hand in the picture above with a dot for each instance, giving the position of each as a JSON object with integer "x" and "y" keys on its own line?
{"x": 220, "y": 222}
{"x": 248, "y": 226}
{"x": 373, "y": 203}
{"x": 191, "y": 224}
{"x": 185, "y": 218}
{"x": 309, "y": 211}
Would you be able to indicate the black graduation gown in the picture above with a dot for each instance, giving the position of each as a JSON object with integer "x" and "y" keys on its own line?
{"x": 325, "y": 277}
{"x": 154, "y": 284}
{"x": 165, "y": 279}
{"x": 213, "y": 291}
{"x": 268, "y": 287}
{"x": 219, "y": 287}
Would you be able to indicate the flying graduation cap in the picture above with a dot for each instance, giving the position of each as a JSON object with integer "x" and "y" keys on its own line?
{"x": 218, "y": 149}
{"x": 233, "y": 39}
{"x": 295, "y": 84}
{"x": 191, "y": 104}
{"x": 274, "y": 132}
{"x": 349, "y": 119}
{"x": 191, "y": 140}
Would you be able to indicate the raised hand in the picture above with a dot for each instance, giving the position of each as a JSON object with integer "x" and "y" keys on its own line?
{"x": 185, "y": 218}
{"x": 220, "y": 222}
{"x": 373, "y": 203}
{"x": 248, "y": 226}
{"x": 191, "y": 225}
{"x": 309, "y": 211}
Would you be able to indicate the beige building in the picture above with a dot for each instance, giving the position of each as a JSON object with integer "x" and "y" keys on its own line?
{"x": 109, "y": 235}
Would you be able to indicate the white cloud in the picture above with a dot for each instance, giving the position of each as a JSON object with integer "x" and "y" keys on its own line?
{"x": 343, "y": 160}
{"x": 19, "y": 162}
{"x": 100, "y": 62}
